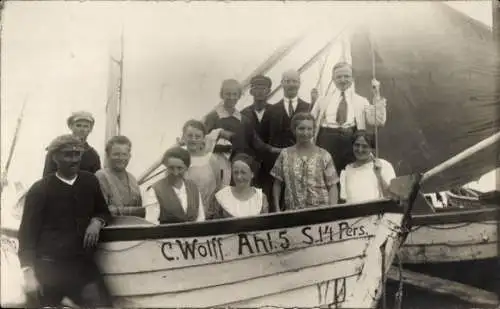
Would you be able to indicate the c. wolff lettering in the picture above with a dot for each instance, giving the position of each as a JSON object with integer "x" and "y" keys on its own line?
{"x": 193, "y": 249}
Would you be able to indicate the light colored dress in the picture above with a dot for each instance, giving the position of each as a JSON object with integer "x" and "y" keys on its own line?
{"x": 360, "y": 184}
{"x": 307, "y": 179}
{"x": 123, "y": 198}
{"x": 228, "y": 206}
{"x": 206, "y": 173}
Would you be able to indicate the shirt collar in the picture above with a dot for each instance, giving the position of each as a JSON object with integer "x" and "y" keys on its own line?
{"x": 222, "y": 112}
{"x": 294, "y": 100}
{"x": 67, "y": 181}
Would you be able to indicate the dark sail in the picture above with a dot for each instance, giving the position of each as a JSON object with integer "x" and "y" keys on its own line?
{"x": 439, "y": 72}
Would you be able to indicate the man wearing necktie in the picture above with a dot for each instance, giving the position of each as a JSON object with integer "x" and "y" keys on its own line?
{"x": 276, "y": 122}
{"x": 338, "y": 115}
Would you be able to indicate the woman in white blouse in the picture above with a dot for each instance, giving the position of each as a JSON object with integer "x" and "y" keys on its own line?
{"x": 242, "y": 199}
{"x": 176, "y": 199}
{"x": 367, "y": 178}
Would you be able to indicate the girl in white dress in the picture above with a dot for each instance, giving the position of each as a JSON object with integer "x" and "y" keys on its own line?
{"x": 242, "y": 199}
{"x": 367, "y": 178}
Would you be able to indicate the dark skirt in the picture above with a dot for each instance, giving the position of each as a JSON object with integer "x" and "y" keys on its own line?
{"x": 338, "y": 142}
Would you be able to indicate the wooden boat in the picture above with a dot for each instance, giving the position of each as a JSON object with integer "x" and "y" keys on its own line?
{"x": 336, "y": 256}
{"x": 451, "y": 234}
{"x": 446, "y": 241}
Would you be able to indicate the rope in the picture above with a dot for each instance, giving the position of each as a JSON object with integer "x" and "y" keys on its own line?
{"x": 399, "y": 294}
{"x": 374, "y": 76}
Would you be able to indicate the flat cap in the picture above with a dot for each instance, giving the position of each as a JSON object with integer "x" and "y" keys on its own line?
{"x": 63, "y": 141}
{"x": 80, "y": 115}
{"x": 261, "y": 80}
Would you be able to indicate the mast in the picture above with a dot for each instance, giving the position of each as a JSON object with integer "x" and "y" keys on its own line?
{"x": 495, "y": 8}
{"x": 115, "y": 90}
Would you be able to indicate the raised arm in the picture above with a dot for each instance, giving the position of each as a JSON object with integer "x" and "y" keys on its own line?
{"x": 277, "y": 193}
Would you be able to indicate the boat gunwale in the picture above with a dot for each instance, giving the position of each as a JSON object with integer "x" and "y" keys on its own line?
{"x": 271, "y": 221}
{"x": 458, "y": 216}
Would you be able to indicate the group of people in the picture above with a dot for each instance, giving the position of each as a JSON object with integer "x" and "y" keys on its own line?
{"x": 265, "y": 158}
{"x": 272, "y": 157}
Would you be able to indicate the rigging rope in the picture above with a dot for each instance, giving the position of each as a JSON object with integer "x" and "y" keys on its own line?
{"x": 375, "y": 89}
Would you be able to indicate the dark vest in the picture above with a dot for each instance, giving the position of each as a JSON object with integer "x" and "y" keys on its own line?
{"x": 171, "y": 210}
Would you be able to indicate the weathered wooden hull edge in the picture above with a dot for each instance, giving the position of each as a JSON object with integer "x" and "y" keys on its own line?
{"x": 343, "y": 274}
{"x": 451, "y": 243}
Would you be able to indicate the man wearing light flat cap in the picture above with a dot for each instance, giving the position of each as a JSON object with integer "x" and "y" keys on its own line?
{"x": 62, "y": 219}
{"x": 81, "y": 124}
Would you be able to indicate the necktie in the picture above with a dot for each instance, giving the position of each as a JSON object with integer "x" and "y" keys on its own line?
{"x": 342, "y": 110}
{"x": 290, "y": 108}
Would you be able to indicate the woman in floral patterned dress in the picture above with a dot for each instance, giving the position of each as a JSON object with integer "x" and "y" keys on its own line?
{"x": 306, "y": 170}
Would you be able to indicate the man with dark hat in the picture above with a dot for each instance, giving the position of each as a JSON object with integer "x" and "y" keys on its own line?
{"x": 260, "y": 87}
{"x": 63, "y": 215}
{"x": 81, "y": 124}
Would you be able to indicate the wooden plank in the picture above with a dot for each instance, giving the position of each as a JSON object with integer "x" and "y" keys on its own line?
{"x": 328, "y": 294}
{"x": 450, "y": 242}
{"x": 198, "y": 277}
{"x": 226, "y": 294}
{"x": 443, "y": 286}
{"x": 443, "y": 253}
{"x": 370, "y": 284}
{"x": 453, "y": 234}
{"x": 457, "y": 216}
{"x": 173, "y": 253}
{"x": 259, "y": 223}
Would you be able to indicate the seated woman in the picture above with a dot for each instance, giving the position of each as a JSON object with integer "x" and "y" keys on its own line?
{"x": 241, "y": 200}
{"x": 205, "y": 169}
{"x": 119, "y": 187}
{"x": 367, "y": 178}
{"x": 306, "y": 170}
{"x": 178, "y": 199}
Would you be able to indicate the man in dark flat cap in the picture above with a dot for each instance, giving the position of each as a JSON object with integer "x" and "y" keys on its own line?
{"x": 63, "y": 216}
{"x": 81, "y": 124}
{"x": 260, "y": 88}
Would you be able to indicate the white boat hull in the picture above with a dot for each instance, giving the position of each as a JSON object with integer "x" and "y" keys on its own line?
{"x": 335, "y": 262}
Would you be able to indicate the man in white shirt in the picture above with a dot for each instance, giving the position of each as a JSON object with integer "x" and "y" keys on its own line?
{"x": 338, "y": 115}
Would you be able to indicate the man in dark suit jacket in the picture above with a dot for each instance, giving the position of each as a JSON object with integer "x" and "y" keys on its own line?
{"x": 260, "y": 87}
{"x": 276, "y": 130}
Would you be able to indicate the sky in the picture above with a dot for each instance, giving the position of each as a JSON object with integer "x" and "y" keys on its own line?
{"x": 55, "y": 57}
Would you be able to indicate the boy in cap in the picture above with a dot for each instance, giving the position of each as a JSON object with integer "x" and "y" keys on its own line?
{"x": 81, "y": 124}
{"x": 63, "y": 215}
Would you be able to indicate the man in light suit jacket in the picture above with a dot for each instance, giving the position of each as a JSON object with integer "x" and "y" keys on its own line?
{"x": 276, "y": 121}
{"x": 338, "y": 115}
